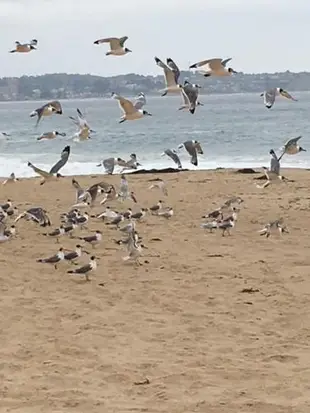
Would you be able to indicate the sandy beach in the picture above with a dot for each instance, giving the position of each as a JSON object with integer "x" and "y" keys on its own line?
{"x": 216, "y": 324}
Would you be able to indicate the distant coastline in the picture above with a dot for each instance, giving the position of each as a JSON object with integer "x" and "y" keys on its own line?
{"x": 81, "y": 86}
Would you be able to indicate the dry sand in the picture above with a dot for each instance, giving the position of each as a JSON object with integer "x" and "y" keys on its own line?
{"x": 181, "y": 320}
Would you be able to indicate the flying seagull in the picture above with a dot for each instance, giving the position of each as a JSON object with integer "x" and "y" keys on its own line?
{"x": 190, "y": 96}
{"x": 140, "y": 101}
{"x": 172, "y": 153}
{"x": 130, "y": 111}
{"x": 271, "y": 94}
{"x": 36, "y": 214}
{"x": 55, "y": 169}
{"x": 25, "y": 47}
{"x": 50, "y": 135}
{"x": 116, "y": 45}
{"x": 192, "y": 147}
{"x": 291, "y": 147}
{"x": 214, "y": 67}
{"x": 47, "y": 110}
{"x": 172, "y": 74}
{"x": 84, "y": 129}
{"x": 110, "y": 163}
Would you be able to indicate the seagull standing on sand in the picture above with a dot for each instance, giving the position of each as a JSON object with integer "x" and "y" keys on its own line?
{"x": 74, "y": 255}
{"x": 192, "y": 147}
{"x": 48, "y": 109}
{"x": 172, "y": 153}
{"x": 50, "y": 135}
{"x": 273, "y": 226}
{"x": 54, "y": 259}
{"x": 130, "y": 111}
{"x": 166, "y": 213}
{"x": 190, "y": 96}
{"x": 291, "y": 147}
{"x": 93, "y": 239}
{"x": 172, "y": 74}
{"x": 25, "y": 47}
{"x": 116, "y": 45}
{"x": 85, "y": 269}
{"x": 271, "y": 94}
{"x": 160, "y": 184}
{"x": 48, "y": 176}
{"x": 214, "y": 67}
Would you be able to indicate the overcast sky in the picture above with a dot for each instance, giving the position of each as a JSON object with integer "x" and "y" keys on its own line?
{"x": 260, "y": 35}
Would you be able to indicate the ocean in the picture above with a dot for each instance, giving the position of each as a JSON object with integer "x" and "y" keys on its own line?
{"x": 235, "y": 131}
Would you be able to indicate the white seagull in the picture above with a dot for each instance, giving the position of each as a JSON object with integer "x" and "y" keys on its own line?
{"x": 214, "y": 67}
{"x": 84, "y": 129}
{"x": 116, "y": 45}
{"x": 172, "y": 74}
{"x": 50, "y": 135}
{"x": 130, "y": 111}
{"x": 172, "y": 153}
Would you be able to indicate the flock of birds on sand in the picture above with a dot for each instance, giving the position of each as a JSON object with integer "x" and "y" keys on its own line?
{"x": 74, "y": 219}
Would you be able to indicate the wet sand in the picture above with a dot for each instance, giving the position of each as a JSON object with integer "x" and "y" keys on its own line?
{"x": 216, "y": 324}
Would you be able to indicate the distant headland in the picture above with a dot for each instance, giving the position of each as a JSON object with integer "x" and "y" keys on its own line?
{"x": 81, "y": 86}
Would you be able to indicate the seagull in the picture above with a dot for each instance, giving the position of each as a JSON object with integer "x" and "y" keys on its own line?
{"x": 166, "y": 213}
{"x": 271, "y": 177}
{"x": 54, "y": 259}
{"x": 58, "y": 232}
{"x": 84, "y": 128}
{"x": 192, "y": 147}
{"x": 111, "y": 195}
{"x": 130, "y": 111}
{"x": 160, "y": 184}
{"x": 273, "y": 226}
{"x": 129, "y": 227}
{"x": 110, "y": 163}
{"x": 139, "y": 215}
{"x": 4, "y": 235}
{"x": 124, "y": 193}
{"x": 64, "y": 156}
{"x": 81, "y": 220}
{"x": 108, "y": 213}
{"x": 127, "y": 214}
{"x": 73, "y": 255}
{"x": 172, "y": 74}
{"x": 271, "y": 94}
{"x": 10, "y": 180}
{"x": 116, "y": 45}
{"x": 93, "y": 239}
{"x": 134, "y": 250}
{"x": 85, "y": 269}
{"x": 47, "y": 110}
{"x": 50, "y": 135}
{"x": 70, "y": 228}
{"x": 36, "y": 214}
{"x": 172, "y": 153}
{"x": 190, "y": 95}
{"x": 274, "y": 163}
{"x": 291, "y": 147}
{"x": 25, "y": 47}
{"x": 117, "y": 220}
{"x": 132, "y": 163}
{"x": 214, "y": 67}
{"x": 156, "y": 208}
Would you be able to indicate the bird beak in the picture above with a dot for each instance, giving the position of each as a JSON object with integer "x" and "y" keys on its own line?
{"x": 99, "y": 164}
{"x": 128, "y": 50}
{"x": 149, "y": 114}
{"x": 302, "y": 149}
{"x": 234, "y": 71}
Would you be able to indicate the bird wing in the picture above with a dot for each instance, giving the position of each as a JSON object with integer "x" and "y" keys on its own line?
{"x": 285, "y": 94}
{"x": 39, "y": 171}
{"x": 93, "y": 192}
{"x": 40, "y": 113}
{"x": 125, "y": 104}
{"x": 225, "y": 61}
{"x": 176, "y": 71}
{"x": 52, "y": 259}
{"x": 81, "y": 120}
{"x": 198, "y": 148}
{"x": 62, "y": 161}
{"x": 122, "y": 40}
{"x": 83, "y": 270}
{"x": 291, "y": 142}
{"x": 210, "y": 63}
{"x": 174, "y": 156}
{"x": 169, "y": 75}
{"x": 109, "y": 165}
{"x": 275, "y": 165}
{"x": 189, "y": 146}
{"x": 269, "y": 97}
{"x": 114, "y": 42}
{"x": 140, "y": 102}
